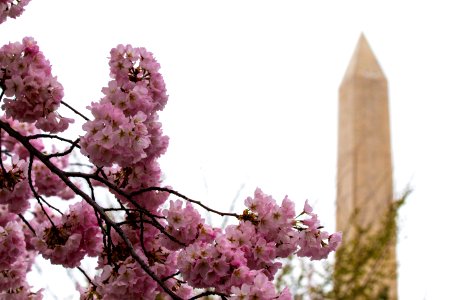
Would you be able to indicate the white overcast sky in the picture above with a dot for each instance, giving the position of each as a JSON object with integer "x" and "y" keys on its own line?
{"x": 253, "y": 98}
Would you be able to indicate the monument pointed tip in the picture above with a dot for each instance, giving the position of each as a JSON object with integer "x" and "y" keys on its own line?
{"x": 363, "y": 63}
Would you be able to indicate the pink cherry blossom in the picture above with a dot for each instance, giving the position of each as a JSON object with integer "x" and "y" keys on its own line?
{"x": 12, "y": 244}
{"x": 32, "y": 92}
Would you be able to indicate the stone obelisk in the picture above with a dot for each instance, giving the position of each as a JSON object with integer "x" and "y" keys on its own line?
{"x": 364, "y": 177}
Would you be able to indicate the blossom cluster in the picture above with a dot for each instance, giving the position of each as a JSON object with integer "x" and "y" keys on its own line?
{"x": 32, "y": 93}
{"x": 15, "y": 260}
{"x": 185, "y": 225}
{"x": 125, "y": 129}
{"x": 314, "y": 242}
{"x": 259, "y": 288}
{"x": 265, "y": 233}
{"x": 11, "y": 8}
{"x": 129, "y": 281}
{"x": 70, "y": 238}
{"x": 125, "y": 137}
{"x": 14, "y": 188}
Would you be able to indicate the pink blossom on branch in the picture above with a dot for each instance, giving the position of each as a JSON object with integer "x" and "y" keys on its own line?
{"x": 12, "y": 244}
{"x": 266, "y": 232}
{"x": 32, "y": 92}
{"x": 14, "y": 188}
{"x": 71, "y": 238}
{"x": 125, "y": 128}
{"x": 24, "y": 129}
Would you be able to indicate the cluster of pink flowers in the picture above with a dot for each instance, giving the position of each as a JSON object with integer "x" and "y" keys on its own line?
{"x": 126, "y": 128}
{"x": 129, "y": 281}
{"x": 15, "y": 260}
{"x": 266, "y": 232}
{"x": 314, "y": 242}
{"x": 186, "y": 226}
{"x": 12, "y": 244}
{"x": 11, "y": 8}
{"x": 32, "y": 93}
{"x": 260, "y": 288}
{"x": 70, "y": 238}
{"x": 125, "y": 134}
{"x": 14, "y": 188}
{"x": 123, "y": 140}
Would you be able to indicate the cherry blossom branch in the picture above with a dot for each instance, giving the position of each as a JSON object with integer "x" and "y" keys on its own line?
{"x": 113, "y": 187}
{"x": 148, "y": 189}
{"x": 34, "y": 233}
{"x": 130, "y": 210}
{"x": 61, "y": 174}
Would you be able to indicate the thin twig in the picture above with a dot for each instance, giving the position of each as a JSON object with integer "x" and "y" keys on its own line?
{"x": 36, "y": 195}
{"x": 74, "y": 110}
{"x": 170, "y": 191}
{"x": 53, "y": 136}
{"x": 86, "y": 275}
{"x": 68, "y": 151}
{"x": 170, "y": 276}
{"x": 27, "y": 223}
